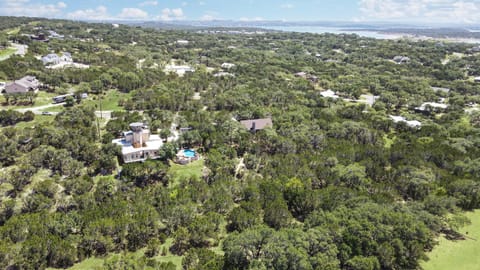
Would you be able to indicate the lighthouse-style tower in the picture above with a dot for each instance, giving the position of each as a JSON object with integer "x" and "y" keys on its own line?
{"x": 139, "y": 135}
{"x": 138, "y": 144}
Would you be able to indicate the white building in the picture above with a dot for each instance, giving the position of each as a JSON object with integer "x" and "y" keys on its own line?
{"x": 227, "y": 65}
{"x": 138, "y": 144}
{"x": 180, "y": 70}
{"x": 55, "y": 59}
{"x": 329, "y": 94}
{"x": 410, "y": 123}
{"x": 427, "y": 106}
{"x": 182, "y": 42}
{"x": 223, "y": 74}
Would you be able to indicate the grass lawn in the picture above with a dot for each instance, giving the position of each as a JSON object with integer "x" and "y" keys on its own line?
{"x": 97, "y": 263}
{"x": 6, "y": 53}
{"x": 42, "y": 98}
{"x": 109, "y": 100}
{"x": 38, "y": 120}
{"x": 13, "y": 31}
{"x": 458, "y": 254}
{"x": 178, "y": 172}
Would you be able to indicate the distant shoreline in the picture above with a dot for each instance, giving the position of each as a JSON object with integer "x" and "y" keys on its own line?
{"x": 446, "y": 35}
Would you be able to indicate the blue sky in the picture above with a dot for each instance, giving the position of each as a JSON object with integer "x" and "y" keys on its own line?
{"x": 430, "y": 11}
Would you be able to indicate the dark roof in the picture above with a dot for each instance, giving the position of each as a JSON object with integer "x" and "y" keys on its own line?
{"x": 257, "y": 124}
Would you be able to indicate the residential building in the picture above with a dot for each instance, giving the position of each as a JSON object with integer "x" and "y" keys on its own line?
{"x": 138, "y": 144}
{"x": 23, "y": 85}
{"x": 429, "y": 107}
{"x": 55, "y": 59}
{"x": 307, "y": 76}
{"x": 223, "y": 74}
{"x": 410, "y": 123}
{"x": 227, "y": 65}
{"x": 257, "y": 124}
{"x": 329, "y": 94}
{"x": 180, "y": 70}
{"x": 182, "y": 42}
{"x": 53, "y": 34}
{"x": 440, "y": 89}
{"x": 401, "y": 59}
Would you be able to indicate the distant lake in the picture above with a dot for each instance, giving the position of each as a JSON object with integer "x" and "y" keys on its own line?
{"x": 333, "y": 30}
{"x": 369, "y": 34}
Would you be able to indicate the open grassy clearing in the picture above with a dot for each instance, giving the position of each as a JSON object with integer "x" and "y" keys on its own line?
{"x": 97, "y": 263}
{"x": 107, "y": 101}
{"x": 39, "y": 119}
{"x": 463, "y": 254}
{"x": 42, "y": 98}
{"x": 6, "y": 53}
{"x": 13, "y": 31}
{"x": 178, "y": 172}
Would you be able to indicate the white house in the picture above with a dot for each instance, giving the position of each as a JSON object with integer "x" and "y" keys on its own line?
{"x": 223, "y": 74}
{"x": 138, "y": 144}
{"x": 410, "y": 123}
{"x": 180, "y": 70}
{"x": 401, "y": 59}
{"x": 54, "y": 59}
{"x": 329, "y": 94}
{"x": 182, "y": 42}
{"x": 227, "y": 65}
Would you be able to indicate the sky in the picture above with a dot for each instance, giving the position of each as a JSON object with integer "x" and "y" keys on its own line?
{"x": 426, "y": 11}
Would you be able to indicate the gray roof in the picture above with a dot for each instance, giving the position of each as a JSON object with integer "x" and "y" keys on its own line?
{"x": 257, "y": 124}
{"x": 22, "y": 86}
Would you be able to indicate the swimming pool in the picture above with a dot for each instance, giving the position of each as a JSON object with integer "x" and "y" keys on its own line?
{"x": 189, "y": 153}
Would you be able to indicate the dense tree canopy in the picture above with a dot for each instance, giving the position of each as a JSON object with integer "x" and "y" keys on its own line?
{"x": 333, "y": 184}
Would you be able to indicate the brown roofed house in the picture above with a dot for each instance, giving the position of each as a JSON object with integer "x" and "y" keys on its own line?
{"x": 257, "y": 124}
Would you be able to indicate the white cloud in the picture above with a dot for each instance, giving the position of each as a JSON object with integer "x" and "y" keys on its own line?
{"x": 132, "y": 14}
{"x": 32, "y": 9}
{"x": 184, "y": 4}
{"x": 99, "y": 13}
{"x": 169, "y": 14}
{"x": 210, "y": 16}
{"x": 148, "y": 3}
{"x": 287, "y": 6}
{"x": 61, "y": 5}
{"x": 421, "y": 10}
{"x": 202, "y": 3}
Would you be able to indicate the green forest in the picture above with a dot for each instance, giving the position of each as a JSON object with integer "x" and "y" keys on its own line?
{"x": 337, "y": 182}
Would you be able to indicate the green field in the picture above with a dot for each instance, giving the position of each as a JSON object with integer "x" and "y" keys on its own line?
{"x": 6, "y": 53}
{"x": 178, "y": 172}
{"x": 462, "y": 254}
{"x": 97, "y": 263}
{"x": 42, "y": 98}
{"x": 13, "y": 31}
{"x": 108, "y": 101}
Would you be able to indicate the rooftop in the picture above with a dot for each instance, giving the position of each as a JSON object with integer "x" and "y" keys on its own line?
{"x": 257, "y": 124}
{"x": 329, "y": 93}
{"x": 153, "y": 144}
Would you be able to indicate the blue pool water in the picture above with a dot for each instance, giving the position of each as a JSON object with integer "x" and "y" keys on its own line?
{"x": 189, "y": 153}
